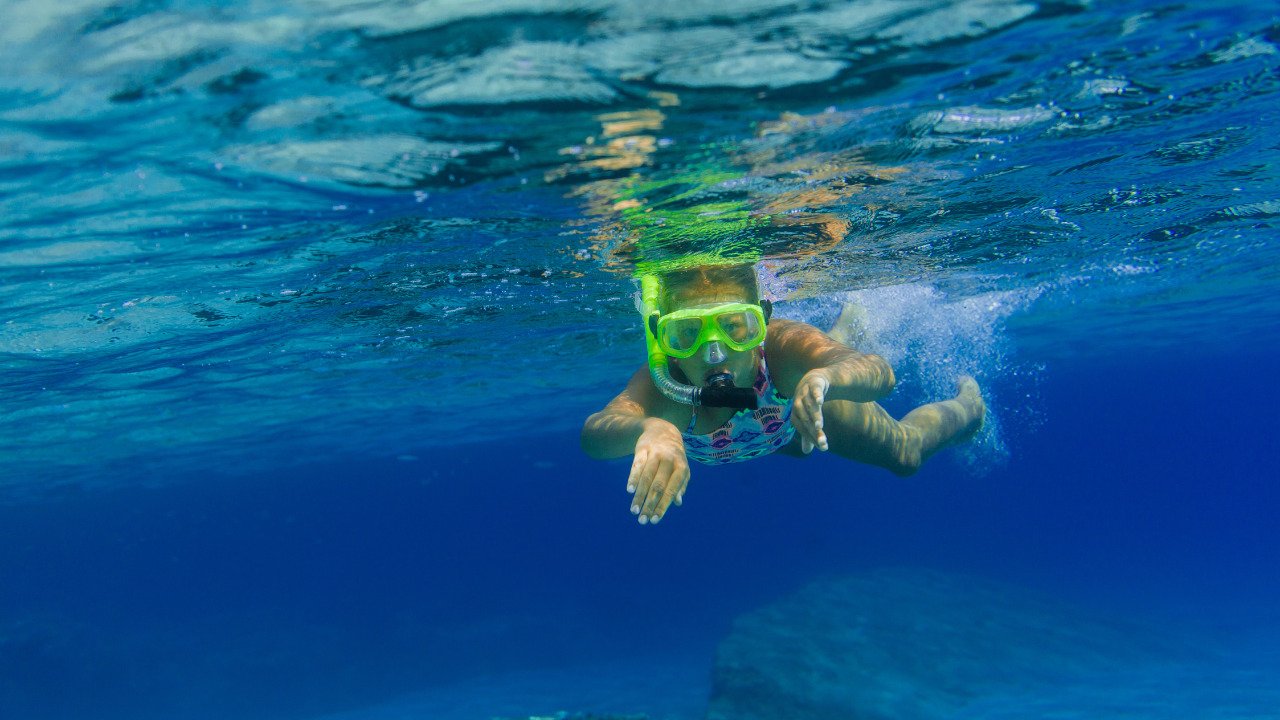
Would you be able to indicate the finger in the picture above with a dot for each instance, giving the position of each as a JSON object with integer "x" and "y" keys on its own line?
{"x": 644, "y": 479}
{"x": 815, "y": 395}
{"x": 637, "y": 465}
{"x": 818, "y": 434}
{"x": 821, "y": 385}
{"x": 800, "y": 413}
{"x": 684, "y": 485}
{"x": 670, "y": 487}
{"x": 802, "y": 420}
{"x": 656, "y": 488}
{"x": 661, "y": 478}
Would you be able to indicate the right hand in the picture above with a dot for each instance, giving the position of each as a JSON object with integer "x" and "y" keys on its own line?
{"x": 659, "y": 472}
{"x": 806, "y": 409}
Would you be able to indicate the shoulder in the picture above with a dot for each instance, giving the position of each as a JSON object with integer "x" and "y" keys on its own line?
{"x": 784, "y": 330}
{"x": 645, "y": 398}
{"x": 794, "y": 348}
{"x": 792, "y": 340}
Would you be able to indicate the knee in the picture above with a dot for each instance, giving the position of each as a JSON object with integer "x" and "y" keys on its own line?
{"x": 905, "y": 464}
{"x": 907, "y": 455}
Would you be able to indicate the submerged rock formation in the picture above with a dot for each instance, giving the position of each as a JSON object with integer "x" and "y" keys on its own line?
{"x": 906, "y": 645}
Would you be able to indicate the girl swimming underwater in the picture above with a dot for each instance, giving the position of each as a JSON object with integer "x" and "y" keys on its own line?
{"x": 712, "y": 394}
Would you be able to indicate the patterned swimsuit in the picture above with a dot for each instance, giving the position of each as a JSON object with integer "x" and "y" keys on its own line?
{"x": 749, "y": 433}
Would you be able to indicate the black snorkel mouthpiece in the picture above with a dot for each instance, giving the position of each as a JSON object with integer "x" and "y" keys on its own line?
{"x": 721, "y": 392}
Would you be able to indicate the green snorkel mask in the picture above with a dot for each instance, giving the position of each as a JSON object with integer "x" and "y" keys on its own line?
{"x": 740, "y": 326}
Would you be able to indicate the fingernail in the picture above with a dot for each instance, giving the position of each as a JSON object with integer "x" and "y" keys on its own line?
{"x": 635, "y": 509}
{"x": 631, "y": 488}
{"x": 655, "y": 519}
{"x": 680, "y": 497}
{"x": 644, "y": 519}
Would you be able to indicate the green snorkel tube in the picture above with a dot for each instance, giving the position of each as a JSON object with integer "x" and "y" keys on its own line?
{"x": 659, "y": 364}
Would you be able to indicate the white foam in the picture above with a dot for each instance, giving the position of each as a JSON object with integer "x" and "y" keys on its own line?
{"x": 958, "y": 20}
{"x": 29, "y": 20}
{"x": 390, "y": 160}
{"x": 70, "y": 251}
{"x": 973, "y": 119}
{"x": 523, "y": 72}
{"x": 1247, "y": 48}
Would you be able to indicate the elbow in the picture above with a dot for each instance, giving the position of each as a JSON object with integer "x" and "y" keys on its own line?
{"x": 609, "y": 434}
{"x": 587, "y": 438}
{"x": 885, "y": 381}
{"x": 905, "y": 467}
{"x": 906, "y": 460}
{"x": 594, "y": 437}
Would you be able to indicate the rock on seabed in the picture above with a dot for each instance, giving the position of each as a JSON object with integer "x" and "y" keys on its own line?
{"x": 911, "y": 644}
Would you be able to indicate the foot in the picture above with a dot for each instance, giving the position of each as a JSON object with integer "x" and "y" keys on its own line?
{"x": 851, "y": 327}
{"x": 969, "y": 396}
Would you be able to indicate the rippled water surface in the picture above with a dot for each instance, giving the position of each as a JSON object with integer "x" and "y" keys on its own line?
{"x": 237, "y": 232}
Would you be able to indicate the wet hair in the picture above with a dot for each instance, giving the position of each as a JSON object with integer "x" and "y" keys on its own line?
{"x": 709, "y": 277}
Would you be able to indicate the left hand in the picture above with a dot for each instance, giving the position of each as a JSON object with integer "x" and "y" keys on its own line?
{"x": 806, "y": 409}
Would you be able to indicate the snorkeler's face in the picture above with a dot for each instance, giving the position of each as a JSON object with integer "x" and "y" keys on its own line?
{"x": 699, "y": 368}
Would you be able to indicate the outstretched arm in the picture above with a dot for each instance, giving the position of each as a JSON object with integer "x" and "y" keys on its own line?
{"x": 613, "y": 431}
{"x": 630, "y": 423}
{"x": 814, "y": 368}
{"x": 796, "y": 349}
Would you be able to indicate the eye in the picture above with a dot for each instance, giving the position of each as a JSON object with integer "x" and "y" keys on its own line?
{"x": 682, "y": 334}
{"x": 736, "y": 326}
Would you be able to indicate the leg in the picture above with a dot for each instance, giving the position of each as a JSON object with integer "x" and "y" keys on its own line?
{"x": 866, "y": 433}
{"x": 852, "y": 328}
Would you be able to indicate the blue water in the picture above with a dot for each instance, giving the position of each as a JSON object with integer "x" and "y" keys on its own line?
{"x": 303, "y": 308}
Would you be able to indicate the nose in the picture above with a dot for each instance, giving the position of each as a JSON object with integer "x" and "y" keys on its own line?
{"x": 713, "y": 353}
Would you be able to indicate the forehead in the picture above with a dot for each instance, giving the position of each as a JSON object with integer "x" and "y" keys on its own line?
{"x": 708, "y": 293}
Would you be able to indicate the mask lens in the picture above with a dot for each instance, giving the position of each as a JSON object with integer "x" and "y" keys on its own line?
{"x": 741, "y": 328}
{"x": 681, "y": 335}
